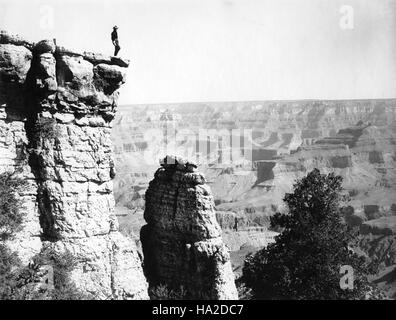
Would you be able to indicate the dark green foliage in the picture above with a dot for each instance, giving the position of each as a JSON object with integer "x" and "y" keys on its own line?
{"x": 62, "y": 265}
{"x": 305, "y": 260}
{"x": 16, "y": 281}
{"x": 45, "y": 130}
{"x": 244, "y": 293}
{"x": 26, "y": 282}
{"x": 8, "y": 262}
{"x": 162, "y": 292}
{"x": 10, "y": 221}
{"x": 10, "y": 215}
{"x": 23, "y": 282}
{"x": 19, "y": 282}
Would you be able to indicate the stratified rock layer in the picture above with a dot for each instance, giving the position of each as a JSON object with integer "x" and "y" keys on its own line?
{"x": 182, "y": 241}
{"x": 56, "y": 108}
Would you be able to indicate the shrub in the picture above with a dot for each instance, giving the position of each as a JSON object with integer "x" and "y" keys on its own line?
{"x": 162, "y": 292}
{"x": 26, "y": 282}
{"x": 8, "y": 262}
{"x": 10, "y": 215}
{"x": 45, "y": 130}
{"x": 244, "y": 293}
{"x": 21, "y": 282}
{"x": 62, "y": 264}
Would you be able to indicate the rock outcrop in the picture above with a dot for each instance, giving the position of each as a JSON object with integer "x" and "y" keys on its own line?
{"x": 56, "y": 108}
{"x": 182, "y": 241}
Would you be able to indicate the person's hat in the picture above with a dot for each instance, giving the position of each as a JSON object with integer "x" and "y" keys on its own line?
{"x": 115, "y": 27}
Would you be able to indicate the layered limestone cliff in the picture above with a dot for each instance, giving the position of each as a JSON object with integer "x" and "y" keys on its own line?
{"x": 56, "y": 108}
{"x": 278, "y": 129}
{"x": 182, "y": 241}
{"x": 363, "y": 154}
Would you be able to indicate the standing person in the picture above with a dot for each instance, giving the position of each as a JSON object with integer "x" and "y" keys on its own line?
{"x": 114, "y": 39}
{"x": 236, "y": 224}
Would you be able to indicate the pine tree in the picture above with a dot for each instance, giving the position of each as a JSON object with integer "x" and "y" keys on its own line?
{"x": 305, "y": 260}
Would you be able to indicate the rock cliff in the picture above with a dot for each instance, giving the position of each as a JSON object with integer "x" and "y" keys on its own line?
{"x": 56, "y": 108}
{"x": 182, "y": 241}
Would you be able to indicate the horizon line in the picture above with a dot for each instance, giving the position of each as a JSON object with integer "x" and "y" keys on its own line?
{"x": 268, "y": 100}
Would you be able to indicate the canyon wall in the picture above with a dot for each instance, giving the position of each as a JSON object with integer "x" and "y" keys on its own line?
{"x": 56, "y": 108}
{"x": 278, "y": 129}
{"x": 182, "y": 241}
{"x": 353, "y": 138}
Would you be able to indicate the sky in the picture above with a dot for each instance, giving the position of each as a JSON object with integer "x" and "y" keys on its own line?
{"x": 227, "y": 50}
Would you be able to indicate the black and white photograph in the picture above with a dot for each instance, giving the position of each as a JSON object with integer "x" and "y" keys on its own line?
{"x": 201, "y": 150}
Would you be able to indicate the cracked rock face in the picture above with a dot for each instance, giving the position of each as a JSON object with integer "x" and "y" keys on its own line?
{"x": 182, "y": 241}
{"x": 56, "y": 108}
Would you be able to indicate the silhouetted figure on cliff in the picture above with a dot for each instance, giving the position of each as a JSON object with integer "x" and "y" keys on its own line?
{"x": 236, "y": 224}
{"x": 114, "y": 39}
